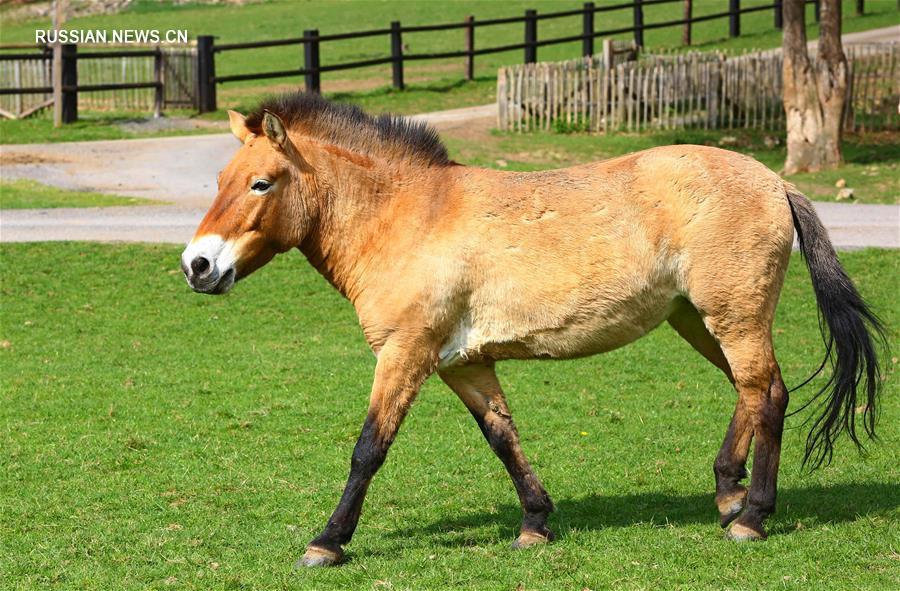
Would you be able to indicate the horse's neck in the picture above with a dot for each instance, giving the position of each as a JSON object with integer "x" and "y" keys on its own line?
{"x": 358, "y": 202}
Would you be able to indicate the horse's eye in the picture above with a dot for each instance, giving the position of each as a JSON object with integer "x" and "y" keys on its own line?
{"x": 260, "y": 186}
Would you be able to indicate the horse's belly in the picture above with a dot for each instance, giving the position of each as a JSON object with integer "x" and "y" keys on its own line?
{"x": 605, "y": 327}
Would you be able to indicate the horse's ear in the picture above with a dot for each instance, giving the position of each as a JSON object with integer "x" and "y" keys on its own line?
{"x": 238, "y": 125}
{"x": 273, "y": 127}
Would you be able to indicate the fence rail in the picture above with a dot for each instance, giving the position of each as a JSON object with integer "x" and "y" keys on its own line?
{"x": 190, "y": 78}
{"x": 311, "y": 40}
{"x": 701, "y": 90}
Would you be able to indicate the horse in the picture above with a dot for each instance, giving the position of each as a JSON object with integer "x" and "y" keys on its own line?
{"x": 453, "y": 268}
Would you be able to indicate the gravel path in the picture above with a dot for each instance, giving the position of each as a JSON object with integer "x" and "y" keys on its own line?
{"x": 180, "y": 170}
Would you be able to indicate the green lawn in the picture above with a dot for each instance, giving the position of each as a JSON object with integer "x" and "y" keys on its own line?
{"x": 26, "y": 194}
{"x": 432, "y": 85}
{"x": 156, "y": 438}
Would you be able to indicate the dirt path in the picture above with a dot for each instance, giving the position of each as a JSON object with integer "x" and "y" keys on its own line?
{"x": 180, "y": 170}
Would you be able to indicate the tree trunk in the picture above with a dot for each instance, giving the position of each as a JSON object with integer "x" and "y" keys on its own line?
{"x": 833, "y": 76}
{"x": 814, "y": 95}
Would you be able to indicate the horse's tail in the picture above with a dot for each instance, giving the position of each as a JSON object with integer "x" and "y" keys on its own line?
{"x": 851, "y": 332}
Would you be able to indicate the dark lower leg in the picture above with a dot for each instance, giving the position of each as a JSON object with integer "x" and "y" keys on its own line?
{"x": 401, "y": 369}
{"x": 730, "y": 466}
{"x": 768, "y": 426}
{"x": 368, "y": 456}
{"x": 479, "y": 389}
{"x": 500, "y": 432}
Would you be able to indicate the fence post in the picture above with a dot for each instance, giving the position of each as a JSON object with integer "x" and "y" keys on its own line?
{"x": 312, "y": 79}
{"x": 397, "y": 54}
{"x": 470, "y": 47}
{"x": 587, "y": 29}
{"x": 734, "y": 18}
{"x": 778, "y": 14}
{"x": 530, "y": 36}
{"x": 206, "y": 73}
{"x": 688, "y": 15}
{"x": 860, "y": 7}
{"x": 159, "y": 91}
{"x": 69, "y": 80}
{"x": 638, "y": 23}
{"x": 17, "y": 83}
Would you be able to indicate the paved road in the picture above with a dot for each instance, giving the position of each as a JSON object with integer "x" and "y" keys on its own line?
{"x": 103, "y": 224}
{"x": 882, "y": 35}
{"x": 849, "y": 225}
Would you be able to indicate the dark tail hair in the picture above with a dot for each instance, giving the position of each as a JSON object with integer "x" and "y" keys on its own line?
{"x": 851, "y": 332}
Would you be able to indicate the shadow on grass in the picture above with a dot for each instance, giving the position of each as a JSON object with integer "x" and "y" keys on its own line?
{"x": 814, "y": 504}
{"x": 868, "y": 150}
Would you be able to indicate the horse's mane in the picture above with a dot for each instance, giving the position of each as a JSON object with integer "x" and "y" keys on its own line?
{"x": 351, "y": 128}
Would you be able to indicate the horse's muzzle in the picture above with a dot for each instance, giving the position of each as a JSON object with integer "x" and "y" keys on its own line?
{"x": 204, "y": 277}
{"x": 209, "y": 266}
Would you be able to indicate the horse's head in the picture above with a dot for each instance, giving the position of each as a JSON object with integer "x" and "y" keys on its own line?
{"x": 261, "y": 208}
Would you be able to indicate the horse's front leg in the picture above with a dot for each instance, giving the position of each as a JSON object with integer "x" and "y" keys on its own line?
{"x": 403, "y": 364}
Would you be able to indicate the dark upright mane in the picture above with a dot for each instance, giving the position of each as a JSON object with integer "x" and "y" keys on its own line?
{"x": 350, "y": 127}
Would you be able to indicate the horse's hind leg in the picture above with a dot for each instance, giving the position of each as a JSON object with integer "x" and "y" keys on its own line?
{"x": 479, "y": 389}
{"x": 767, "y": 398}
{"x": 762, "y": 401}
{"x": 730, "y": 465}
{"x": 687, "y": 322}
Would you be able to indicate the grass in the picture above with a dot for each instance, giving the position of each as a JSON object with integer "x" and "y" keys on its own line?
{"x": 91, "y": 125}
{"x": 872, "y": 161}
{"x": 27, "y": 194}
{"x": 432, "y": 85}
{"x": 102, "y": 125}
{"x": 155, "y": 438}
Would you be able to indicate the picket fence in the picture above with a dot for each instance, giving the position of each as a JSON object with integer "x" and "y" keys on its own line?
{"x": 699, "y": 90}
{"x": 179, "y": 82}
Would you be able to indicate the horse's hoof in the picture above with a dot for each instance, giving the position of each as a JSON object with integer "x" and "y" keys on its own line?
{"x": 316, "y": 556}
{"x": 742, "y": 533}
{"x": 530, "y": 538}
{"x": 731, "y": 506}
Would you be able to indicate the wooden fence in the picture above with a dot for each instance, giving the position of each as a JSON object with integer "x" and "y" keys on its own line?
{"x": 193, "y": 81}
{"x": 178, "y": 81}
{"x": 27, "y": 72}
{"x": 311, "y": 69}
{"x": 708, "y": 90}
{"x": 34, "y": 71}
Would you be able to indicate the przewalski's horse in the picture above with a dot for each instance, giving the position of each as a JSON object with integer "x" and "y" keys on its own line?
{"x": 453, "y": 268}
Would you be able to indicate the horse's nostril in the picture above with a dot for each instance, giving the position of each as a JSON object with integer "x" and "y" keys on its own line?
{"x": 200, "y": 266}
